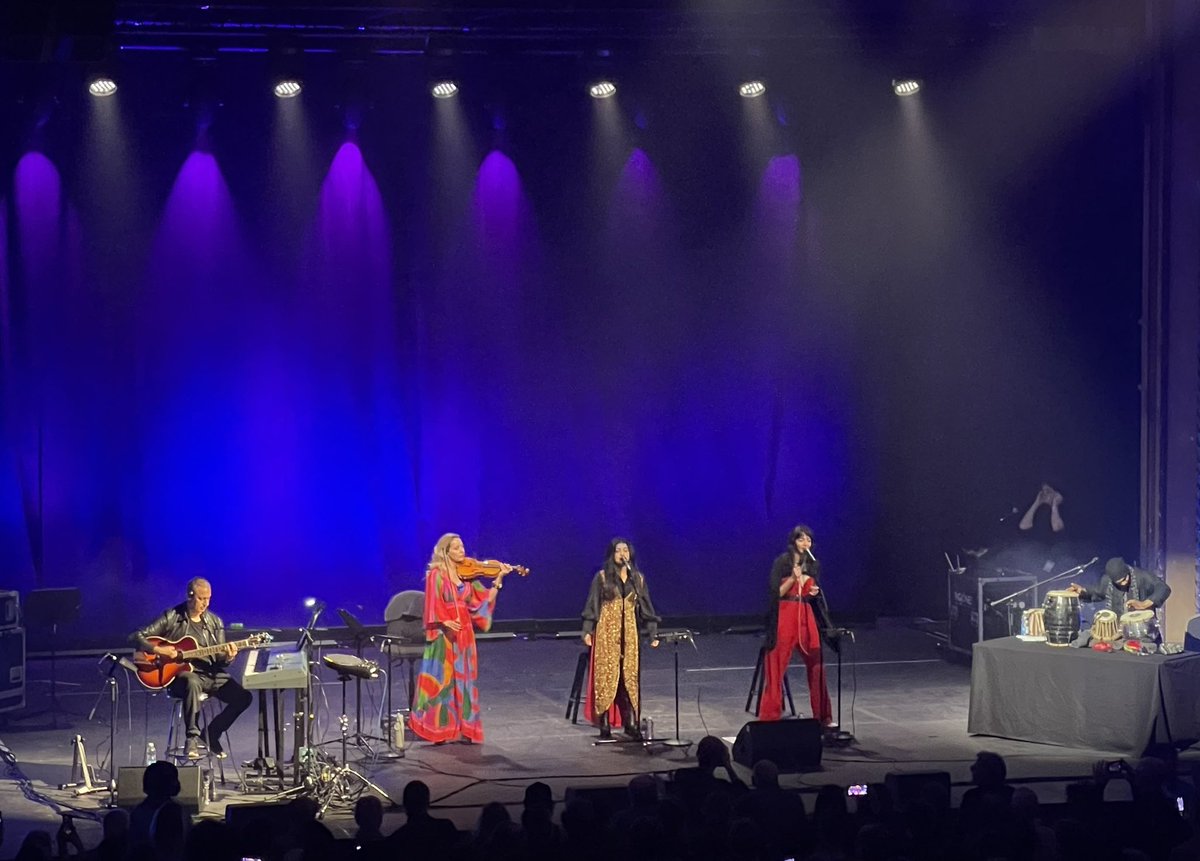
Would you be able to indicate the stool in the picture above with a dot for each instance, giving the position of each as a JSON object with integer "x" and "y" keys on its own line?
{"x": 759, "y": 679}
{"x": 576, "y": 696}
{"x": 177, "y": 753}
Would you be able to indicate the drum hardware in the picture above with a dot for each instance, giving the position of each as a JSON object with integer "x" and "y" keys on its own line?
{"x": 359, "y": 637}
{"x": 323, "y": 779}
{"x": 352, "y": 667}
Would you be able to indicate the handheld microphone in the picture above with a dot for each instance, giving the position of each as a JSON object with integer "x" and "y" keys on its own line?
{"x": 810, "y": 555}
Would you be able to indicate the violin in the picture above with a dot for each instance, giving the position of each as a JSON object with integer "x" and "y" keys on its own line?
{"x": 470, "y": 569}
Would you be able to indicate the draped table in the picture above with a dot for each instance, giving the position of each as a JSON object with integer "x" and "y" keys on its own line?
{"x": 1081, "y": 698}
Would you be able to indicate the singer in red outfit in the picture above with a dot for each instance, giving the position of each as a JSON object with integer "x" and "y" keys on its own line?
{"x": 795, "y": 621}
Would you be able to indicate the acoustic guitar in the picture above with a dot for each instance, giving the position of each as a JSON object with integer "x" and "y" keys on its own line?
{"x": 156, "y": 671}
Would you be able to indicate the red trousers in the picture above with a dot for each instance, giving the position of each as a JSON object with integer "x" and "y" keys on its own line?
{"x": 797, "y": 630}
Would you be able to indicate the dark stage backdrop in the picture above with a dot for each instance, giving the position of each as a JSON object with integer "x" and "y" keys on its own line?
{"x": 286, "y": 345}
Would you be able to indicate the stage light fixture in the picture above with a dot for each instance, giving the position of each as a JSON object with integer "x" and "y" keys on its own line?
{"x": 752, "y": 89}
{"x": 288, "y": 88}
{"x": 906, "y": 86}
{"x": 444, "y": 90}
{"x": 602, "y": 90}
{"x": 102, "y": 86}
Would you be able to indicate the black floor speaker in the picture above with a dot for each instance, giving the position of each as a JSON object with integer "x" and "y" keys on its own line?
{"x": 191, "y": 788}
{"x": 793, "y": 745}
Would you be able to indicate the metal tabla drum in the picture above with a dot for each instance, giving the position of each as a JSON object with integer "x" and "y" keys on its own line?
{"x": 1104, "y": 626}
{"x": 352, "y": 666}
{"x": 1061, "y": 617}
{"x": 1141, "y": 625}
{"x": 1034, "y": 623}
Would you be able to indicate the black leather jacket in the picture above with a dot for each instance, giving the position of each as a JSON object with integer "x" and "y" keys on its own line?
{"x": 173, "y": 624}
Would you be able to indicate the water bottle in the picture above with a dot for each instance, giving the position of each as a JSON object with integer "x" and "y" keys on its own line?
{"x": 648, "y": 728}
{"x": 151, "y": 753}
{"x": 398, "y": 731}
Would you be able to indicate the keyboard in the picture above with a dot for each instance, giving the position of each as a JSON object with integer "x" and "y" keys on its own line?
{"x": 274, "y": 669}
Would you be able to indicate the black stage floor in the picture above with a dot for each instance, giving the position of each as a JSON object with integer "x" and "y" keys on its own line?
{"x": 904, "y": 704}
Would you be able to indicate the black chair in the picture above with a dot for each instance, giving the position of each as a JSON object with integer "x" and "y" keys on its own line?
{"x": 759, "y": 679}
{"x": 405, "y": 638}
{"x": 575, "y": 697}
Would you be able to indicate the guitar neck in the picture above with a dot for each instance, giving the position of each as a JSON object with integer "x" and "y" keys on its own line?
{"x": 209, "y": 651}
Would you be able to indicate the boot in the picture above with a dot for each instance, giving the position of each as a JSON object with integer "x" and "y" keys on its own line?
{"x": 605, "y": 729}
{"x": 631, "y": 726}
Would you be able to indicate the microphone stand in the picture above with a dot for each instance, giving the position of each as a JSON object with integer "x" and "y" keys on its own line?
{"x": 85, "y": 786}
{"x": 840, "y": 736}
{"x": 1078, "y": 569}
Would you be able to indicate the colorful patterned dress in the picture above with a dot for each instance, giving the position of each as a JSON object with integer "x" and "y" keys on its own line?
{"x": 447, "y": 706}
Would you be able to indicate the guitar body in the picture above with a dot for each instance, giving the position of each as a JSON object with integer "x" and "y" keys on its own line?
{"x": 155, "y": 671}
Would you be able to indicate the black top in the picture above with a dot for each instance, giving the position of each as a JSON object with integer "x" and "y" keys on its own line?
{"x": 174, "y": 624}
{"x": 614, "y": 587}
{"x": 1143, "y": 586}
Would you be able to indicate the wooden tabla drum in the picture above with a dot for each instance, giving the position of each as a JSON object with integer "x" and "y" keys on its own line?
{"x": 1104, "y": 626}
{"x": 1035, "y": 623}
{"x": 1061, "y": 617}
{"x": 1141, "y": 625}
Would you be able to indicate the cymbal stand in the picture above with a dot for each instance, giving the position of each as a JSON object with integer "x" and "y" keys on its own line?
{"x": 332, "y": 785}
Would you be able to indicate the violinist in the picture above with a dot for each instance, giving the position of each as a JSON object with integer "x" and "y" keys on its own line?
{"x": 617, "y": 604}
{"x": 447, "y": 706}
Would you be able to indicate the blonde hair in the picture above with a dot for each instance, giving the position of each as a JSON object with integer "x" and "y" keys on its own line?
{"x": 440, "y": 558}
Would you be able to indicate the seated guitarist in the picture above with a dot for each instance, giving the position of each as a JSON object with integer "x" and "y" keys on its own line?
{"x": 193, "y": 619}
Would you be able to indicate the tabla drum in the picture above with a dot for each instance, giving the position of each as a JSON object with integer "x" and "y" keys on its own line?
{"x": 1034, "y": 623}
{"x": 1061, "y": 617}
{"x": 1140, "y": 625}
{"x": 1104, "y": 626}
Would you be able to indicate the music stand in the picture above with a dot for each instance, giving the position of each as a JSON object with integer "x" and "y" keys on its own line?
{"x": 47, "y": 609}
{"x": 674, "y": 638}
{"x": 359, "y": 637}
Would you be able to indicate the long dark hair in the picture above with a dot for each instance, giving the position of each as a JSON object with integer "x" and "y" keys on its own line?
{"x": 798, "y": 530}
{"x": 611, "y": 572}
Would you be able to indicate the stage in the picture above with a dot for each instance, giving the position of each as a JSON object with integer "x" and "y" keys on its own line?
{"x": 905, "y": 705}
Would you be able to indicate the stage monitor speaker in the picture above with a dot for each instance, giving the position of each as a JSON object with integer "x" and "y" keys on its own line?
{"x": 793, "y": 745}
{"x": 929, "y": 786}
{"x": 1191, "y": 635}
{"x": 191, "y": 788}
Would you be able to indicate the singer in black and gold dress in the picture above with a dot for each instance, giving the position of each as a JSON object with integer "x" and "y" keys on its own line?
{"x": 618, "y": 604}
